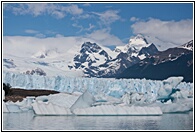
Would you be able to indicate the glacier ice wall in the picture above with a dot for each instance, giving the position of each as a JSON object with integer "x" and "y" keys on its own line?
{"x": 111, "y": 87}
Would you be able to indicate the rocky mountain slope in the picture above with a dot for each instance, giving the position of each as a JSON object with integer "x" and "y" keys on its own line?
{"x": 176, "y": 61}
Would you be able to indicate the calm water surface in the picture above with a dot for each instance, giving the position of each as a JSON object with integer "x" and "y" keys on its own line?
{"x": 28, "y": 121}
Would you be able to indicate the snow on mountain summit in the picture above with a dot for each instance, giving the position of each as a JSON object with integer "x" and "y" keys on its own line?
{"x": 135, "y": 43}
{"x": 138, "y": 40}
{"x": 188, "y": 45}
{"x": 90, "y": 58}
{"x": 51, "y": 53}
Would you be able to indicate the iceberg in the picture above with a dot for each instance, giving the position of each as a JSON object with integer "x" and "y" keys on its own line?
{"x": 85, "y": 104}
{"x": 181, "y": 106}
{"x": 54, "y": 104}
{"x": 169, "y": 88}
{"x": 118, "y": 110}
{"x": 84, "y": 101}
{"x": 22, "y": 106}
{"x": 41, "y": 108}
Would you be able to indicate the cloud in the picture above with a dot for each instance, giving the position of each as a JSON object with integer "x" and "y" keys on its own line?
{"x": 36, "y": 9}
{"x": 73, "y": 9}
{"x": 24, "y": 45}
{"x": 59, "y": 35}
{"x": 86, "y": 4}
{"x": 58, "y": 14}
{"x": 133, "y": 19}
{"x": 108, "y": 16}
{"x": 78, "y": 26}
{"x": 178, "y": 32}
{"x": 82, "y": 16}
{"x": 91, "y": 26}
{"x": 29, "y": 31}
{"x": 35, "y": 33}
{"x": 40, "y": 35}
{"x": 104, "y": 38}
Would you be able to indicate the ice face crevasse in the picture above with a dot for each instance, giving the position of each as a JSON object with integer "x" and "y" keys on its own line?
{"x": 110, "y": 87}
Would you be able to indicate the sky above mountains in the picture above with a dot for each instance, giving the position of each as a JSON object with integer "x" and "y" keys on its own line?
{"x": 109, "y": 24}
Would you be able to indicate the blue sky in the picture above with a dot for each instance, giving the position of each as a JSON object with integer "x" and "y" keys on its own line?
{"x": 99, "y": 21}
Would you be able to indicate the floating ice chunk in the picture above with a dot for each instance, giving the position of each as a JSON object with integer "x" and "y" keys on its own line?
{"x": 84, "y": 101}
{"x": 60, "y": 99}
{"x": 174, "y": 108}
{"x": 180, "y": 106}
{"x": 22, "y": 106}
{"x": 169, "y": 87}
{"x": 84, "y": 105}
{"x": 55, "y": 104}
{"x": 42, "y": 108}
{"x": 5, "y": 108}
{"x": 11, "y": 107}
{"x": 118, "y": 110}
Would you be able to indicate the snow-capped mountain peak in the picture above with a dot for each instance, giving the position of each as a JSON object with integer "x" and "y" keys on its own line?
{"x": 90, "y": 57}
{"x": 138, "y": 39}
{"x": 188, "y": 45}
{"x": 90, "y": 47}
{"x": 50, "y": 53}
{"x": 135, "y": 44}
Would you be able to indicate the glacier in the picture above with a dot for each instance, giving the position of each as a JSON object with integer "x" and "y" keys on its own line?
{"x": 98, "y": 96}
{"x": 111, "y": 87}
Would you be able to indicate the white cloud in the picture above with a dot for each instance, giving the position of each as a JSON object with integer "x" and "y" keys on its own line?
{"x": 29, "y": 31}
{"x": 86, "y": 4}
{"x": 58, "y": 14}
{"x": 133, "y": 19}
{"x": 40, "y": 35}
{"x": 50, "y": 32}
{"x": 78, "y": 26}
{"x": 108, "y": 16}
{"x": 104, "y": 38}
{"x": 90, "y": 27}
{"x": 82, "y": 16}
{"x": 36, "y": 9}
{"x": 33, "y": 8}
{"x": 178, "y": 32}
{"x": 25, "y": 45}
{"x": 59, "y": 35}
{"x": 73, "y": 9}
{"x": 83, "y": 28}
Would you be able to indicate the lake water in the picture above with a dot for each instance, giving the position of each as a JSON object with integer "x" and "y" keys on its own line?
{"x": 28, "y": 121}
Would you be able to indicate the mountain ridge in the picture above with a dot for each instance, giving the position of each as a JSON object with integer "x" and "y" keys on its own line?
{"x": 93, "y": 60}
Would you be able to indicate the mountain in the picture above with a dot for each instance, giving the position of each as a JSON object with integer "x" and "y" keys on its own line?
{"x": 176, "y": 61}
{"x": 91, "y": 59}
{"x": 88, "y": 59}
{"x": 96, "y": 61}
{"x": 188, "y": 45}
{"x": 159, "y": 43}
{"x": 43, "y": 62}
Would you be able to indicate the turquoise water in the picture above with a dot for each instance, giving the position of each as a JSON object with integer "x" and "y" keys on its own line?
{"x": 28, "y": 121}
